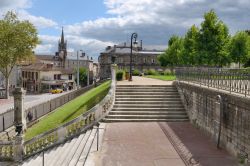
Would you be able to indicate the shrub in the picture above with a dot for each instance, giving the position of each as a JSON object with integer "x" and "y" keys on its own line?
{"x": 167, "y": 72}
{"x": 136, "y": 72}
{"x": 119, "y": 75}
{"x": 152, "y": 72}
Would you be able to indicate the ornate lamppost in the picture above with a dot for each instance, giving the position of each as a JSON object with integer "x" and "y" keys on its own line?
{"x": 133, "y": 36}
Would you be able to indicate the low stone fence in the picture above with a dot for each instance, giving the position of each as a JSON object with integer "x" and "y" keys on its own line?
{"x": 227, "y": 122}
{"x": 72, "y": 128}
{"x": 17, "y": 150}
{"x": 36, "y": 112}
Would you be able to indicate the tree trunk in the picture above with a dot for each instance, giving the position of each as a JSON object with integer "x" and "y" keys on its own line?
{"x": 7, "y": 95}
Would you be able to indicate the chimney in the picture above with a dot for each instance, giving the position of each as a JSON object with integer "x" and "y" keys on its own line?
{"x": 91, "y": 58}
{"x": 141, "y": 44}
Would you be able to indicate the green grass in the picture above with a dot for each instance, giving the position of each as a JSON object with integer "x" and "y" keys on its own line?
{"x": 162, "y": 77}
{"x": 69, "y": 111}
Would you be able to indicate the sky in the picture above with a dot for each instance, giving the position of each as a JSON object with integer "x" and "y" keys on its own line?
{"x": 92, "y": 25}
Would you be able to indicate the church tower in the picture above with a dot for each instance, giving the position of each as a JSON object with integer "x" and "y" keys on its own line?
{"x": 62, "y": 50}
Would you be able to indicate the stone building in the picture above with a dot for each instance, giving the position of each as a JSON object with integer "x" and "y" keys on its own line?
{"x": 59, "y": 70}
{"x": 142, "y": 59}
{"x": 42, "y": 77}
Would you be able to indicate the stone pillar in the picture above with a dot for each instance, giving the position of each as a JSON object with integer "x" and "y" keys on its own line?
{"x": 113, "y": 73}
{"x": 20, "y": 123}
{"x": 19, "y": 114}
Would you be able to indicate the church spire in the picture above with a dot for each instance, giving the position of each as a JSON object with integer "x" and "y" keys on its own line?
{"x": 62, "y": 36}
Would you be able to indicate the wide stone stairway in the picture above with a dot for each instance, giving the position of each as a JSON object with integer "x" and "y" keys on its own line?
{"x": 72, "y": 153}
{"x": 147, "y": 103}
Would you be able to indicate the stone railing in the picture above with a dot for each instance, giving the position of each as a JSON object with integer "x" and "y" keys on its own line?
{"x": 17, "y": 150}
{"x": 72, "y": 128}
{"x": 7, "y": 150}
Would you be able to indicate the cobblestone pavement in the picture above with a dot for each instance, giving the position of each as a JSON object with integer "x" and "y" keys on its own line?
{"x": 147, "y": 144}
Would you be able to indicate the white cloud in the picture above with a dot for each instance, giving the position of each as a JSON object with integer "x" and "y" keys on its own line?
{"x": 15, "y": 4}
{"x": 38, "y": 21}
{"x": 156, "y": 21}
{"x": 91, "y": 47}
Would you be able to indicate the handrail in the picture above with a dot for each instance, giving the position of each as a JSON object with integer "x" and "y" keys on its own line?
{"x": 74, "y": 127}
{"x": 231, "y": 80}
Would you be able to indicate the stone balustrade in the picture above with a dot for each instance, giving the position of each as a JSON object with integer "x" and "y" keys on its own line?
{"x": 10, "y": 150}
{"x": 7, "y": 150}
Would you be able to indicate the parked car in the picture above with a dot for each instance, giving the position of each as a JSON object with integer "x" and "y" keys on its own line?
{"x": 57, "y": 90}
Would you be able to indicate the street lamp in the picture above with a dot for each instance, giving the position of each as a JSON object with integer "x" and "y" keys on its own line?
{"x": 133, "y": 36}
{"x": 78, "y": 84}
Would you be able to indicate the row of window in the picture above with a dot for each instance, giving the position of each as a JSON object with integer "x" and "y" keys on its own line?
{"x": 30, "y": 75}
{"x": 145, "y": 60}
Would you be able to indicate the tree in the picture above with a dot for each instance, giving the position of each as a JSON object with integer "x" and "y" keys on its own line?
{"x": 17, "y": 40}
{"x": 213, "y": 41}
{"x": 83, "y": 76}
{"x": 239, "y": 47}
{"x": 172, "y": 56}
{"x": 190, "y": 50}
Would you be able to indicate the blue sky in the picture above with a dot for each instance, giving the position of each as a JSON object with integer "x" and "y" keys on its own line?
{"x": 92, "y": 25}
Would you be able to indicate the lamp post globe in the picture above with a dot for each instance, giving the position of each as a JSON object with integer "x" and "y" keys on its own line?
{"x": 133, "y": 36}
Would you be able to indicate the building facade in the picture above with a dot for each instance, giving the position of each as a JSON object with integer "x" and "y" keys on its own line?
{"x": 55, "y": 71}
{"x": 142, "y": 59}
{"x": 41, "y": 77}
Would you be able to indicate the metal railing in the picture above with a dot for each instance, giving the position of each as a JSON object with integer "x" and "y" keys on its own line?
{"x": 231, "y": 80}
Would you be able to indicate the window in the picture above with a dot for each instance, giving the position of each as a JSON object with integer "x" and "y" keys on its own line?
{"x": 36, "y": 75}
{"x": 59, "y": 76}
{"x": 55, "y": 76}
{"x": 153, "y": 60}
{"x": 70, "y": 76}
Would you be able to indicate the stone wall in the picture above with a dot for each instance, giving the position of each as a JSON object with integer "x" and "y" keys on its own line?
{"x": 203, "y": 110}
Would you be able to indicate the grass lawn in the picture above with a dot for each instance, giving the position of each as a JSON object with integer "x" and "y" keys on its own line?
{"x": 162, "y": 77}
{"x": 69, "y": 111}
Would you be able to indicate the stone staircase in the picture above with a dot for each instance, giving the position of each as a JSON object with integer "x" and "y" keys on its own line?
{"x": 147, "y": 103}
{"x": 72, "y": 153}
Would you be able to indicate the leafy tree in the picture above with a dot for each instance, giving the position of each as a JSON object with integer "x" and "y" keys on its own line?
{"x": 190, "y": 50}
{"x": 173, "y": 54}
{"x": 17, "y": 40}
{"x": 213, "y": 41}
{"x": 83, "y": 76}
{"x": 239, "y": 48}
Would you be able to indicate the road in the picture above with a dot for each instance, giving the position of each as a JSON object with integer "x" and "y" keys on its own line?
{"x": 29, "y": 100}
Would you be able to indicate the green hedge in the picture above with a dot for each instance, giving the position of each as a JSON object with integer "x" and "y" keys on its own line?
{"x": 119, "y": 75}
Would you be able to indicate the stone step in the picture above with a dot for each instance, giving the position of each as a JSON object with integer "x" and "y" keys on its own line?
{"x": 66, "y": 160}
{"x": 152, "y": 112}
{"x": 83, "y": 157}
{"x": 146, "y": 93}
{"x": 79, "y": 150}
{"x": 146, "y": 116}
{"x": 147, "y": 99}
{"x": 152, "y": 106}
{"x": 148, "y": 96}
{"x": 145, "y": 86}
{"x": 144, "y": 120}
{"x": 148, "y": 102}
{"x": 146, "y": 90}
{"x": 176, "y": 109}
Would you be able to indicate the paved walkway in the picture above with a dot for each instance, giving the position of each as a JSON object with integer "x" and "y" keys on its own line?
{"x": 144, "y": 81}
{"x": 136, "y": 144}
{"x": 152, "y": 144}
{"x": 29, "y": 100}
